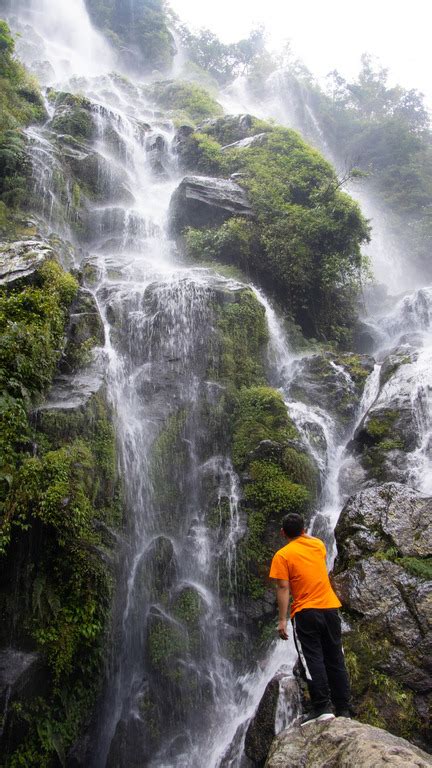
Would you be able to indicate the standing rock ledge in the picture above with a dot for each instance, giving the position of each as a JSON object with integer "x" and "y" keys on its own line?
{"x": 342, "y": 743}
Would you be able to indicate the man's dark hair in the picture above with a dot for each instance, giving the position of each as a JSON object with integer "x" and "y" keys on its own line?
{"x": 293, "y": 524}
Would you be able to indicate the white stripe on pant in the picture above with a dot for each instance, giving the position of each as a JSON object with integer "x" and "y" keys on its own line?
{"x": 300, "y": 651}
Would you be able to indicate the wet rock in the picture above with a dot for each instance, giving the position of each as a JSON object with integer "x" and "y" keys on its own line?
{"x": 202, "y": 201}
{"x": 250, "y": 141}
{"x": 339, "y": 743}
{"x": 20, "y": 260}
{"x": 390, "y": 515}
{"x": 72, "y": 405}
{"x": 132, "y": 744}
{"x": 334, "y": 383}
{"x": 158, "y": 567}
{"x": 282, "y": 693}
{"x": 101, "y": 181}
{"x": 381, "y": 591}
{"x": 183, "y": 147}
{"x": 383, "y": 578}
{"x": 157, "y": 150}
{"x": 85, "y": 331}
{"x": 22, "y": 678}
{"x": 229, "y": 129}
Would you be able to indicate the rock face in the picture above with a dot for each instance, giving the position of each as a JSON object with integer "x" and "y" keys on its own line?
{"x": 390, "y": 430}
{"x": 384, "y": 581}
{"x": 340, "y": 743}
{"x": 22, "y": 678}
{"x": 281, "y": 694}
{"x": 21, "y": 259}
{"x": 392, "y": 515}
{"x": 202, "y": 201}
{"x": 333, "y": 382}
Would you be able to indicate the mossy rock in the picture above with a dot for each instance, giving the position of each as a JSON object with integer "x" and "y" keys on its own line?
{"x": 157, "y": 570}
{"x": 379, "y": 699}
{"x": 242, "y": 337}
{"x": 184, "y": 98}
{"x": 166, "y": 644}
{"x": 232, "y": 128}
{"x": 260, "y": 415}
{"x": 74, "y": 121}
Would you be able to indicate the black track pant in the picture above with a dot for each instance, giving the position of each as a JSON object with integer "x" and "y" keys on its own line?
{"x": 317, "y": 635}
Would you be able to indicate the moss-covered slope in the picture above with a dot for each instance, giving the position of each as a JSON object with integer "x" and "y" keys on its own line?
{"x": 304, "y": 242}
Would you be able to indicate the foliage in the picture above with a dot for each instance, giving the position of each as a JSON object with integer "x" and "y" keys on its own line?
{"x": 32, "y": 322}
{"x": 243, "y": 335}
{"x": 380, "y": 700}
{"x": 260, "y": 414}
{"x": 273, "y": 493}
{"x": 20, "y": 104}
{"x": 54, "y": 483}
{"x": 222, "y": 61}
{"x": 304, "y": 244}
{"x": 168, "y": 457}
{"x": 183, "y": 98}
{"x": 139, "y": 27}
{"x": 383, "y": 130}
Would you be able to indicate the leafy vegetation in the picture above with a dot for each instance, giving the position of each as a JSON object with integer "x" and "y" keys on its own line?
{"x": 275, "y": 474}
{"x": 221, "y": 61}
{"x": 380, "y": 700}
{"x": 384, "y": 131}
{"x": 20, "y": 104}
{"x": 304, "y": 244}
{"x": 184, "y": 100}
{"x": 138, "y": 29}
{"x": 56, "y": 479}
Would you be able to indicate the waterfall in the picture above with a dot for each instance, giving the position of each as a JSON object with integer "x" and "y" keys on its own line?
{"x": 174, "y": 695}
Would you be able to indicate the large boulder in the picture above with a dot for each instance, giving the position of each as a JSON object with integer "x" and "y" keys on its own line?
{"x": 332, "y": 382}
{"x": 340, "y": 743}
{"x": 390, "y": 515}
{"x": 281, "y": 701}
{"x": 21, "y": 259}
{"x": 389, "y": 432}
{"x": 384, "y": 579}
{"x": 22, "y": 678}
{"x": 204, "y": 201}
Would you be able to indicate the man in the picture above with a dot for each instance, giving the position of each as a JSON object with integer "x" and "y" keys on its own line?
{"x": 300, "y": 569}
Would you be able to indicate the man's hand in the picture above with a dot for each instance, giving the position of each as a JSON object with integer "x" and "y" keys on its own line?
{"x": 282, "y": 629}
{"x": 282, "y": 594}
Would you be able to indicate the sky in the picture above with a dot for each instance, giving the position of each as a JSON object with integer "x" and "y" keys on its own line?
{"x": 330, "y": 34}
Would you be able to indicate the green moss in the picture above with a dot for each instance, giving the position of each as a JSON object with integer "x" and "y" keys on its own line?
{"x": 381, "y": 427}
{"x": 58, "y": 482}
{"x": 32, "y": 325}
{"x": 260, "y": 414}
{"x": 165, "y": 642}
{"x": 74, "y": 121}
{"x": 168, "y": 457}
{"x": 227, "y": 130}
{"x": 242, "y": 337}
{"x": 353, "y": 363}
{"x": 202, "y": 153}
{"x": 272, "y": 492}
{"x": 417, "y": 566}
{"x": 20, "y": 104}
{"x": 184, "y": 98}
{"x": 304, "y": 242}
{"x": 380, "y": 700}
{"x": 380, "y": 436}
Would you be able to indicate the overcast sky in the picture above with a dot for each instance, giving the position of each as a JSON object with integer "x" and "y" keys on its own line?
{"x": 331, "y": 34}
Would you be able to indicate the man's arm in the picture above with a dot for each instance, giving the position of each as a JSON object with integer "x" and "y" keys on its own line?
{"x": 283, "y": 595}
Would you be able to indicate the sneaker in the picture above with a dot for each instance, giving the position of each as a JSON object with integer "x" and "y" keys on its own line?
{"x": 316, "y": 717}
